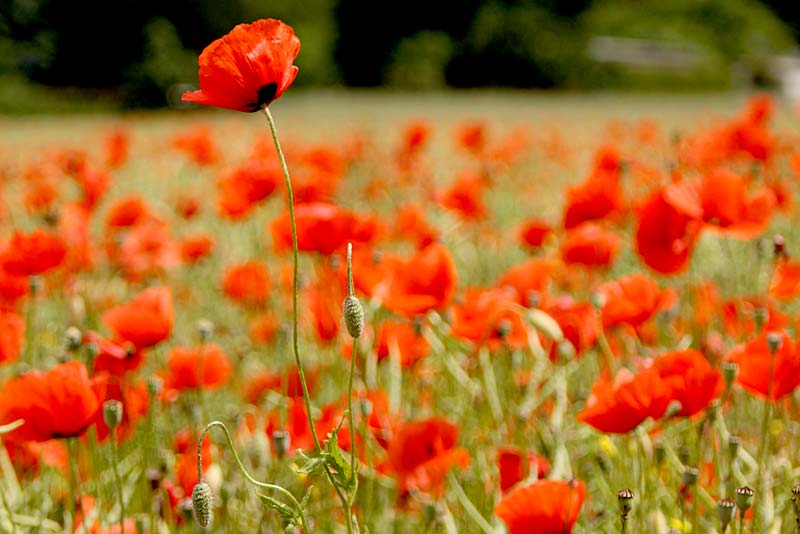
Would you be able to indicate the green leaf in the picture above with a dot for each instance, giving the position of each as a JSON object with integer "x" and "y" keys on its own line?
{"x": 286, "y": 512}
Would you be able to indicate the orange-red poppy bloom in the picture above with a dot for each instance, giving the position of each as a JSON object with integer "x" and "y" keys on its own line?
{"x": 323, "y": 228}
{"x": 34, "y": 253}
{"x": 242, "y": 188}
{"x": 692, "y": 380}
{"x": 12, "y": 333}
{"x": 542, "y": 507}
{"x": 247, "y": 282}
{"x": 403, "y": 335}
{"x": 620, "y": 406}
{"x": 146, "y": 320}
{"x": 516, "y": 464}
{"x": 248, "y": 68}
{"x": 60, "y": 403}
{"x": 666, "y": 232}
{"x": 489, "y": 317}
{"x": 590, "y": 244}
{"x": 578, "y": 322}
{"x": 785, "y": 281}
{"x": 204, "y": 367}
{"x": 195, "y": 247}
{"x": 529, "y": 279}
{"x": 422, "y": 452}
{"x": 424, "y": 282}
{"x": 114, "y": 358}
{"x": 633, "y": 299}
{"x": 756, "y": 362}
{"x": 533, "y": 233}
{"x": 135, "y": 401}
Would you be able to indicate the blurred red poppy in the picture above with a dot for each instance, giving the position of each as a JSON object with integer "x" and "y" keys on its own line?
{"x": 785, "y": 281}
{"x": 620, "y": 406}
{"x": 692, "y": 380}
{"x": 666, "y": 232}
{"x": 489, "y": 317}
{"x": 633, "y": 299}
{"x": 248, "y": 68}
{"x": 241, "y": 188}
{"x": 763, "y": 374}
{"x": 422, "y": 452}
{"x": 516, "y": 464}
{"x": 12, "y": 334}
{"x": 600, "y": 196}
{"x": 590, "y": 244}
{"x": 465, "y": 197}
{"x": 135, "y": 401}
{"x": 195, "y": 247}
{"x": 529, "y": 279}
{"x": 533, "y": 233}
{"x": 34, "y": 253}
{"x": 578, "y": 322}
{"x": 114, "y": 358}
{"x": 60, "y": 403}
{"x": 205, "y": 367}
{"x": 426, "y": 281}
{"x": 542, "y": 507}
{"x": 145, "y": 320}
{"x": 403, "y": 335}
{"x": 248, "y": 283}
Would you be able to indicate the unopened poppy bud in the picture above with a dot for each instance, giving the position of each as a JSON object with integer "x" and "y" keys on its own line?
{"x": 729, "y": 372}
{"x": 112, "y": 413}
{"x": 73, "y": 338}
{"x": 92, "y": 349}
{"x": 598, "y": 300}
{"x": 673, "y": 408}
{"x": 281, "y": 441}
{"x": 566, "y": 350}
{"x": 690, "y": 476}
{"x": 734, "y": 442}
{"x": 726, "y": 508}
{"x": 205, "y": 329}
{"x": 779, "y": 246}
{"x": 744, "y": 498}
{"x": 202, "y": 504}
{"x": 683, "y": 454}
{"x": 353, "y": 316}
{"x": 625, "y": 501}
{"x": 774, "y": 342}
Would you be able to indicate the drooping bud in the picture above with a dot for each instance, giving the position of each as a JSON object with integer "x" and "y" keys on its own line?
{"x": 726, "y": 509}
{"x": 202, "y": 504}
{"x": 734, "y": 442}
{"x": 760, "y": 316}
{"x": 729, "y": 372}
{"x": 112, "y": 413}
{"x": 744, "y": 498}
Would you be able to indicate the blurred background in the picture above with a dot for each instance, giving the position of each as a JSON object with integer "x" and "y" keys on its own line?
{"x": 55, "y": 56}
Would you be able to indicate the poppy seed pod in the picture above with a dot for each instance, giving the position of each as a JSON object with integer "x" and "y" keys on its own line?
{"x": 353, "y": 316}
{"x": 112, "y": 413}
{"x": 726, "y": 509}
{"x": 625, "y": 500}
{"x": 202, "y": 504}
{"x": 744, "y": 498}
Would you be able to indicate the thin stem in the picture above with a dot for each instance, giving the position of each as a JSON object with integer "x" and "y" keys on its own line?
{"x": 350, "y": 409}
{"x": 279, "y": 489}
{"x": 8, "y": 509}
{"x": 117, "y": 480}
{"x": 762, "y": 449}
{"x": 472, "y": 512}
{"x": 74, "y": 480}
{"x": 290, "y": 196}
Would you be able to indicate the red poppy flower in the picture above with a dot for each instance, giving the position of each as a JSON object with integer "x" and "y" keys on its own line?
{"x": 248, "y": 68}
{"x": 633, "y": 299}
{"x": 116, "y": 144}
{"x": 489, "y": 317}
{"x": 12, "y": 334}
{"x": 666, "y": 232}
{"x": 405, "y": 336}
{"x": 198, "y": 143}
{"x": 727, "y": 207}
{"x": 60, "y": 403}
{"x": 426, "y": 281}
{"x": 590, "y": 244}
{"x": 578, "y": 322}
{"x": 422, "y": 452}
{"x": 464, "y": 197}
{"x": 264, "y": 327}
{"x": 543, "y": 507}
{"x": 114, "y": 358}
{"x": 147, "y": 250}
{"x": 256, "y": 387}
{"x": 195, "y": 247}
{"x": 34, "y": 253}
{"x": 754, "y": 367}
{"x": 242, "y": 188}
{"x": 533, "y": 233}
{"x": 516, "y": 464}
{"x": 693, "y": 381}
{"x": 600, "y": 196}
{"x": 248, "y": 283}
{"x": 323, "y": 228}
{"x": 127, "y": 212}
{"x": 411, "y": 223}
{"x": 529, "y": 279}
{"x": 619, "y": 407}
{"x": 785, "y": 282}
{"x": 324, "y": 302}
{"x": 146, "y": 320}
{"x": 205, "y": 367}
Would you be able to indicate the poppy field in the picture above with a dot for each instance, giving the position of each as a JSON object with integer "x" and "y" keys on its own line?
{"x": 458, "y": 313}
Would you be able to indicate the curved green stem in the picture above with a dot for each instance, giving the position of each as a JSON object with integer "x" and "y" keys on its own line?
{"x": 117, "y": 479}
{"x": 472, "y": 512}
{"x": 283, "y": 491}
{"x": 290, "y": 195}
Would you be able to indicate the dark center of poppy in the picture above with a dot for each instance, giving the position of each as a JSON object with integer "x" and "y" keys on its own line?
{"x": 265, "y": 96}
